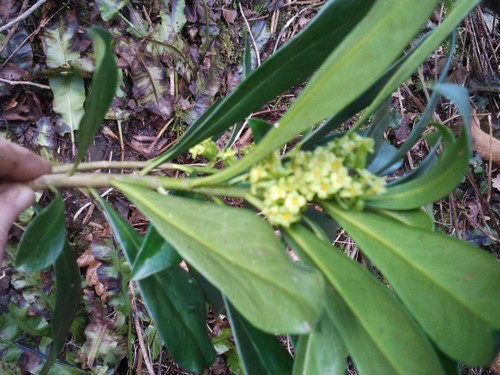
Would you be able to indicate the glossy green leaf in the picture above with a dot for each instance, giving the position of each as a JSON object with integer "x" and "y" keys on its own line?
{"x": 373, "y": 324}
{"x": 245, "y": 261}
{"x": 44, "y": 239}
{"x": 322, "y": 351}
{"x": 259, "y": 128}
{"x": 259, "y": 352}
{"x": 351, "y": 69}
{"x": 102, "y": 91}
{"x": 433, "y": 185}
{"x": 448, "y": 285}
{"x": 292, "y": 64}
{"x": 321, "y": 224}
{"x": 129, "y": 240}
{"x": 154, "y": 255}
{"x": 68, "y": 88}
{"x": 173, "y": 300}
{"x": 68, "y": 296}
{"x": 413, "y": 218}
{"x": 177, "y": 306}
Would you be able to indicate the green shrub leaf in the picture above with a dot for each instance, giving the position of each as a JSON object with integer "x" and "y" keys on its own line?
{"x": 154, "y": 255}
{"x": 322, "y": 351}
{"x": 437, "y": 183}
{"x": 245, "y": 261}
{"x": 44, "y": 239}
{"x": 370, "y": 320}
{"x": 259, "y": 352}
{"x": 449, "y": 286}
{"x": 174, "y": 301}
{"x": 68, "y": 296}
{"x": 102, "y": 91}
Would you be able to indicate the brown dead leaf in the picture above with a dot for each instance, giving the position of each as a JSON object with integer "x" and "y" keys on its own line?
{"x": 150, "y": 86}
{"x": 88, "y": 260}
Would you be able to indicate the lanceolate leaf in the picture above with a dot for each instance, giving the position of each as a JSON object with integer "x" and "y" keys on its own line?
{"x": 68, "y": 296}
{"x": 240, "y": 254}
{"x": 44, "y": 239}
{"x": 259, "y": 352}
{"x": 340, "y": 80}
{"x": 449, "y": 286}
{"x": 433, "y": 185}
{"x": 174, "y": 301}
{"x": 154, "y": 255}
{"x": 289, "y": 66}
{"x": 322, "y": 351}
{"x": 102, "y": 91}
{"x": 372, "y": 323}
{"x": 413, "y": 218}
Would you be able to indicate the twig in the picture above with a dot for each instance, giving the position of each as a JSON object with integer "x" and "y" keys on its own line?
{"x": 26, "y": 83}
{"x": 23, "y": 16}
{"x": 255, "y": 46}
{"x": 91, "y": 166}
{"x": 138, "y": 330}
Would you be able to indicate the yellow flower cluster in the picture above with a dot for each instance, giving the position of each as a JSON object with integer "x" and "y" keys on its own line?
{"x": 208, "y": 148}
{"x": 334, "y": 171}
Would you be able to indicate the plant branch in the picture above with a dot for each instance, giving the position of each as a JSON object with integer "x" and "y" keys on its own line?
{"x": 101, "y": 180}
{"x": 91, "y": 166}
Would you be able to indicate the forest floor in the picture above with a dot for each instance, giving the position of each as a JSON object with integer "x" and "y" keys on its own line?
{"x": 197, "y": 58}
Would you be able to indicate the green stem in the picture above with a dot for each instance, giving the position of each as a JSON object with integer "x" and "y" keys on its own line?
{"x": 96, "y": 180}
{"x": 84, "y": 167}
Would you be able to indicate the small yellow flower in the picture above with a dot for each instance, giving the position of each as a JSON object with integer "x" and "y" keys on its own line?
{"x": 294, "y": 202}
{"x": 353, "y": 190}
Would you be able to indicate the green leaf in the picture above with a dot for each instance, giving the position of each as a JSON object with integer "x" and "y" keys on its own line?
{"x": 351, "y": 69}
{"x": 68, "y": 296}
{"x": 260, "y": 353}
{"x": 68, "y": 88}
{"x": 371, "y": 321}
{"x": 154, "y": 255}
{"x": 240, "y": 254}
{"x": 33, "y": 325}
{"x": 453, "y": 18}
{"x": 433, "y": 185}
{"x": 177, "y": 306}
{"x": 290, "y": 65}
{"x": 102, "y": 91}
{"x": 110, "y": 8}
{"x": 44, "y": 239}
{"x": 413, "y": 218}
{"x": 449, "y": 286}
{"x": 259, "y": 128}
{"x": 322, "y": 351}
{"x": 173, "y": 300}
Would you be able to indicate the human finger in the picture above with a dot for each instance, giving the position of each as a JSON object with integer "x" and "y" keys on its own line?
{"x": 18, "y": 164}
{"x": 14, "y": 199}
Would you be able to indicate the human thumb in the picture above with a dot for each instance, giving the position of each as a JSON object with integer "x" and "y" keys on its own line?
{"x": 14, "y": 199}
